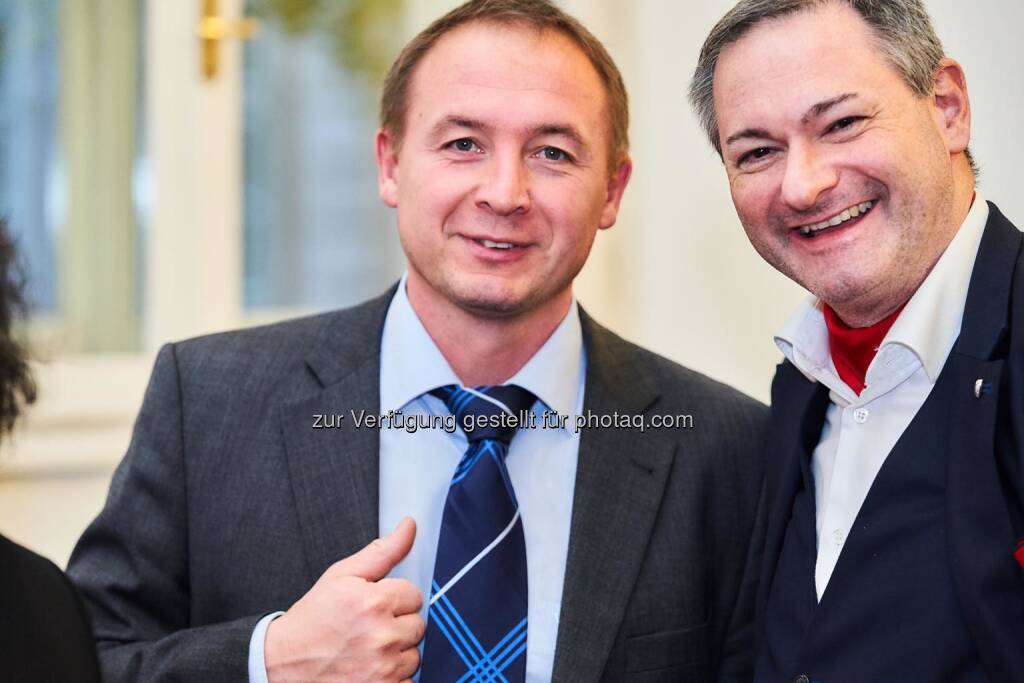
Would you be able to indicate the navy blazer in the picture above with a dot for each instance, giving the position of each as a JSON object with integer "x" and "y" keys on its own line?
{"x": 985, "y": 457}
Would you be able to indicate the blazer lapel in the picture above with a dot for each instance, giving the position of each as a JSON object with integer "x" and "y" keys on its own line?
{"x": 619, "y": 485}
{"x": 980, "y": 535}
{"x": 798, "y": 412}
{"x": 335, "y": 471}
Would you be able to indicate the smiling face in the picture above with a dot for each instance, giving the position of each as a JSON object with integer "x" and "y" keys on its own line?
{"x": 843, "y": 178}
{"x": 502, "y": 177}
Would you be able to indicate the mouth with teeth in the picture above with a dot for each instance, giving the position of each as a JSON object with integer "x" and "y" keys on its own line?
{"x": 495, "y": 251}
{"x": 495, "y": 245}
{"x": 844, "y": 219}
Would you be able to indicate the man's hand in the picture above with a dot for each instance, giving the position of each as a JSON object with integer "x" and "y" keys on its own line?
{"x": 353, "y": 624}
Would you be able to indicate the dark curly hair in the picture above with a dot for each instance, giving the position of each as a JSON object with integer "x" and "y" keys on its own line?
{"x": 17, "y": 386}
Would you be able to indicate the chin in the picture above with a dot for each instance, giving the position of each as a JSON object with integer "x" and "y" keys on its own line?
{"x": 830, "y": 283}
{"x": 842, "y": 291}
{"x": 492, "y": 301}
{"x": 494, "y": 307}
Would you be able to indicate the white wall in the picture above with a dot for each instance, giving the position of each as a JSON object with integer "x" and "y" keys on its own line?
{"x": 985, "y": 38}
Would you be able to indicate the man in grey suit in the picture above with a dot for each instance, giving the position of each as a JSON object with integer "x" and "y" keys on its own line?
{"x": 237, "y": 541}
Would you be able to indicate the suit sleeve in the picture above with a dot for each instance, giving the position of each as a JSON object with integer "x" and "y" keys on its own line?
{"x": 736, "y": 656}
{"x": 132, "y": 567}
{"x": 1010, "y": 453}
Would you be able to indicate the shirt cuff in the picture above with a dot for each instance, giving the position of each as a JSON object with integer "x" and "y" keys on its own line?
{"x": 257, "y": 660}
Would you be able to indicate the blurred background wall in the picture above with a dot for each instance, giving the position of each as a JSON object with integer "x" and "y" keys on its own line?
{"x": 163, "y": 186}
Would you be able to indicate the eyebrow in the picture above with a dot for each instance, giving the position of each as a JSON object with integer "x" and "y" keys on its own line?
{"x": 562, "y": 129}
{"x": 455, "y": 122}
{"x": 814, "y": 112}
{"x": 746, "y": 133}
{"x": 822, "y": 107}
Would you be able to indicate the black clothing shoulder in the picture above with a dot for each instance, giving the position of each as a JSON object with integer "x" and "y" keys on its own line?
{"x": 44, "y": 634}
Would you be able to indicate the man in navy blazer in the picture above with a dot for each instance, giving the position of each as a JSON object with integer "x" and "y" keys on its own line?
{"x": 893, "y": 549}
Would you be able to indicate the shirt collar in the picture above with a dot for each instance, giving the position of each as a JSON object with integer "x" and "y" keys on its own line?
{"x": 929, "y": 324}
{"x": 555, "y": 373}
{"x": 803, "y": 339}
{"x": 411, "y": 364}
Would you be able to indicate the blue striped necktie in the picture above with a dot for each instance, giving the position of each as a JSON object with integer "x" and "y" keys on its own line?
{"x": 476, "y": 623}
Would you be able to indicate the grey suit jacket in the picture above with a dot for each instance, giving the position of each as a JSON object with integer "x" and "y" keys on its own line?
{"x": 229, "y": 505}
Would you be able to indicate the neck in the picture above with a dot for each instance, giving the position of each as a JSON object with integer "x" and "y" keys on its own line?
{"x": 856, "y": 316}
{"x": 875, "y": 306}
{"x": 484, "y": 349}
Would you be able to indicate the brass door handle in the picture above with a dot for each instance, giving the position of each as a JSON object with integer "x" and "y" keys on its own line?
{"x": 214, "y": 28}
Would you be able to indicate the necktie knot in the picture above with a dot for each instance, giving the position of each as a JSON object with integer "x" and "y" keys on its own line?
{"x": 487, "y": 412}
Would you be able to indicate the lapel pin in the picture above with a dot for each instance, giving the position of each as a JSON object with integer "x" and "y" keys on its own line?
{"x": 981, "y": 387}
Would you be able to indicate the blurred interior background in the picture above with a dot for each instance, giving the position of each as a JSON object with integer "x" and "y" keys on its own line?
{"x": 170, "y": 169}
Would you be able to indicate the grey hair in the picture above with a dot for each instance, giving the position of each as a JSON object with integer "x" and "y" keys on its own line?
{"x": 902, "y": 29}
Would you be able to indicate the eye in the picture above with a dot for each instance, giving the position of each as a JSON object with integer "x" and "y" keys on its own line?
{"x": 463, "y": 145}
{"x": 554, "y": 154}
{"x": 844, "y": 123}
{"x": 754, "y": 155}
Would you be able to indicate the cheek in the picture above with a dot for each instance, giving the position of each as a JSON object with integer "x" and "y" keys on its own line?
{"x": 755, "y": 198}
{"x": 870, "y": 156}
{"x": 567, "y": 209}
{"x": 884, "y": 158}
{"x": 429, "y": 196}
{"x": 752, "y": 197}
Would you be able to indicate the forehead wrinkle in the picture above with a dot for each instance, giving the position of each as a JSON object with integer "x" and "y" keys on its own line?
{"x": 493, "y": 84}
{"x": 765, "y": 58}
{"x": 561, "y": 53}
{"x": 814, "y": 112}
{"x": 757, "y": 105}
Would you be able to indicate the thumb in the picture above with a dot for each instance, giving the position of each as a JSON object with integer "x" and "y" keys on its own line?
{"x": 375, "y": 560}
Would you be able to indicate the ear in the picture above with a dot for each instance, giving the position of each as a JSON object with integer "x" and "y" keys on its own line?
{"x": 616, "y": 187}
{"x": 952, "y": 105}
{"x": 387, "y": 167}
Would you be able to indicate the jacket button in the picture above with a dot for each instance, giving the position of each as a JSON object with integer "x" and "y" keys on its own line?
{"x": 801, "y": 679}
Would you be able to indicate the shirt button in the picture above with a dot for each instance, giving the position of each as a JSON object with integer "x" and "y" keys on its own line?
{"x": 860, "y": 416}
{"x": 837, "y": 536}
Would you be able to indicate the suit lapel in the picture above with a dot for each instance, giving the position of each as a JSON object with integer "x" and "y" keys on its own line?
{"x": 335, "y": 471}
{"x": 798, "y": 411}
{"x": 619, "y": 487}
{"x": 980, "y": 536}
{"x": 979, "y": 531}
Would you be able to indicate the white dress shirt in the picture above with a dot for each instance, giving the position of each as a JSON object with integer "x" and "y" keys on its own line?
{"x": 860, "y": 431}
{"x": 416, "y": 468}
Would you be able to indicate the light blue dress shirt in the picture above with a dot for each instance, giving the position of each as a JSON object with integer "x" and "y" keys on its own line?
{"x": 416, "y": 468}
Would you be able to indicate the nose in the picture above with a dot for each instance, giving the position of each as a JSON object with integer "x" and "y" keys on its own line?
{"x": 808, "y": 176}
{"x": 504, "y": 189}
